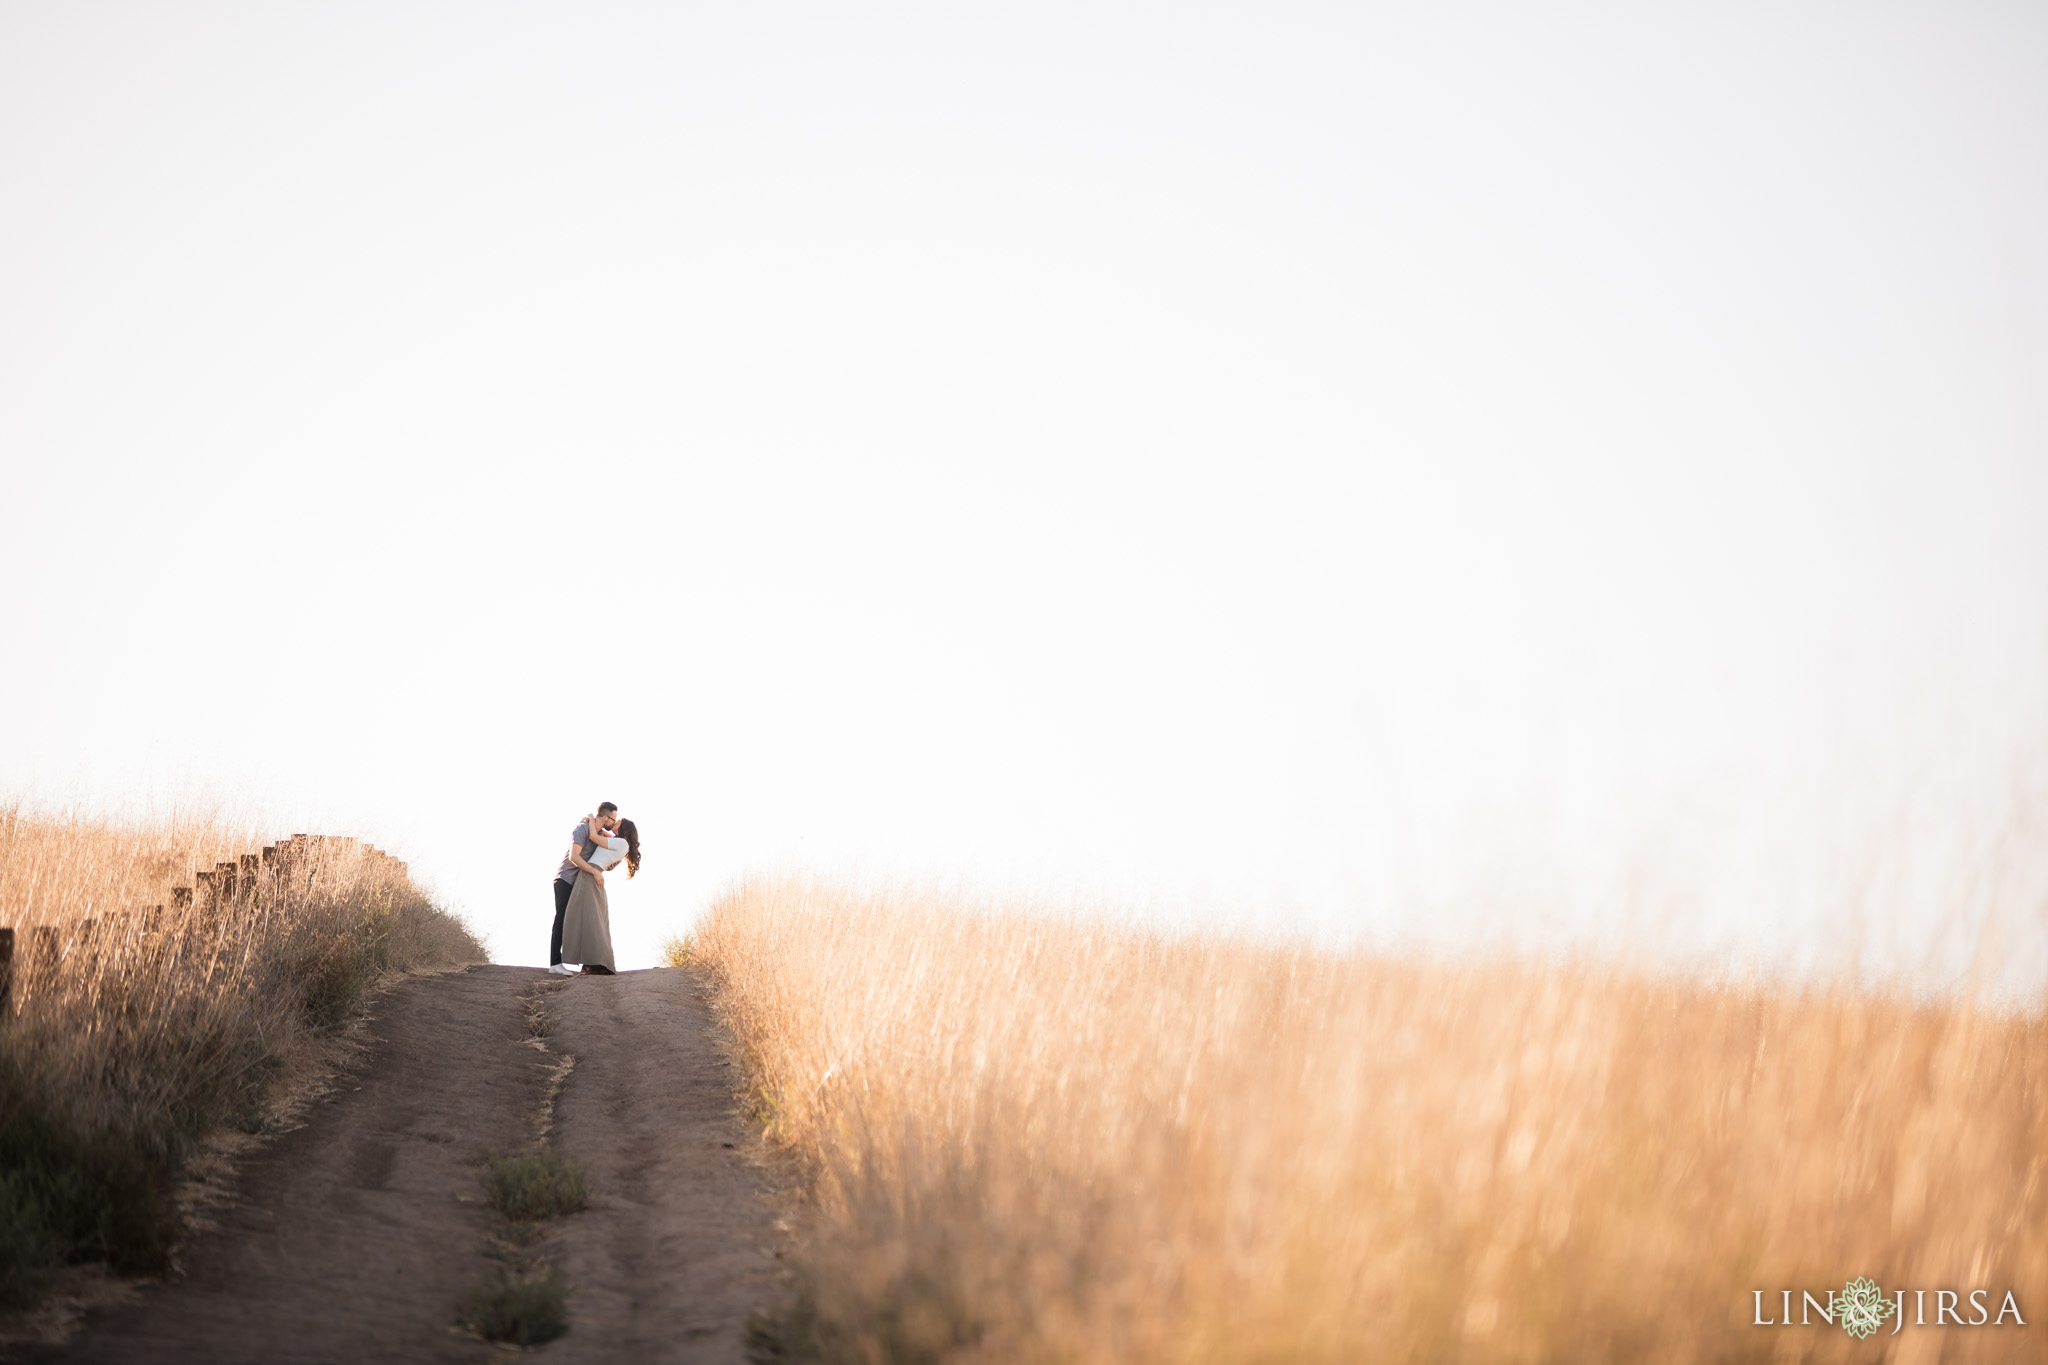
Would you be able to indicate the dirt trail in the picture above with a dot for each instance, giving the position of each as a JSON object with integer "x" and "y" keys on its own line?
{"x": 357, "y": 1236}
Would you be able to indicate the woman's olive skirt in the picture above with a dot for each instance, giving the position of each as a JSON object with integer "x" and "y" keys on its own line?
{"x": 587, "y": 925}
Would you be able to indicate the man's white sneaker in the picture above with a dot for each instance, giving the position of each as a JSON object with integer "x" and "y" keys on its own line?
{"x": 560, "y": 970}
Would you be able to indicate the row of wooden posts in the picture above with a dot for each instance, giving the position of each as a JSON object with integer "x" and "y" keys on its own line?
{"x": 226, "y": 884}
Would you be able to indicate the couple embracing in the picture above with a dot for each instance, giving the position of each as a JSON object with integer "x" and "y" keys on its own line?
{"x": 583, "y": 913}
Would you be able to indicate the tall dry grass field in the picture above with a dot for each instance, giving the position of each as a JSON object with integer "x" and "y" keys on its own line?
{"x": 1030, "y": 1139}
{"x": 132, "y": 1032}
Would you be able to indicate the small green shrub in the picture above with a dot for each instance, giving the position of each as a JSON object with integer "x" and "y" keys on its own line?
{"x": 525, "y": 1189}
{"x": 71, "y": 1192}
{"x": 525, "y": 1310}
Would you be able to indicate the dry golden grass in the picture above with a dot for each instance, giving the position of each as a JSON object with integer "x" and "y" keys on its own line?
{"x": 132, "y": 1033}
{"x": 1037, "y": 1139}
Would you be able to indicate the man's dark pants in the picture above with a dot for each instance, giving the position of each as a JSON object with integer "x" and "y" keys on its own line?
{"x": 562, "y": 890}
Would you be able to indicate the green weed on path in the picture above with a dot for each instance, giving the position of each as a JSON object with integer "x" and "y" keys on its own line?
{"x": 533, "y": 1187}
{"x": 523, "y": 1310}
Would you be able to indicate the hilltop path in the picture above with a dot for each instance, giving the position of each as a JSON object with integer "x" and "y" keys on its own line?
{"x": 356, "y": 1237}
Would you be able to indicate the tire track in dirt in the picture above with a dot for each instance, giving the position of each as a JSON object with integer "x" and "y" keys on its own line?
{"x": 677, "y": 1245}
{"x": 358, "y": 1236}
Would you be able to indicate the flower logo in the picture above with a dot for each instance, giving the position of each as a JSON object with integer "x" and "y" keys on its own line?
{"x": 1861, "y": 1307}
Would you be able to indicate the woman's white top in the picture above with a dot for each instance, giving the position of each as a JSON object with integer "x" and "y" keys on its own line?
{"x": 608, "y": 852}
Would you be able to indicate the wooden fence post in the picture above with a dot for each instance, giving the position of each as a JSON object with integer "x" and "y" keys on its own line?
{"x": 149, "y": 936}
{"x": 276, "y": 860}
{"x": 43, "y": 955}
{"x": 6, "y": 972}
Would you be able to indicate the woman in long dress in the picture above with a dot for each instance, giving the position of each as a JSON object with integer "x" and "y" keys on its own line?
{"x": 587, "y": 923}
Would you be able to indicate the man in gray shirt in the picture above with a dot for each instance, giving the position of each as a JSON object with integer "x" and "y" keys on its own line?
{"x": 582, "y": 843}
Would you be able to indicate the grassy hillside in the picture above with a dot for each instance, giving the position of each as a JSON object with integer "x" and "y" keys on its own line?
{"x": 144, "y": 1015}
{"x": 1030, "y": 1139}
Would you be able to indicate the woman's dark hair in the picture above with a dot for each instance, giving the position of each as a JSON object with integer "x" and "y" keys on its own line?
{"x": 630, "y": 832}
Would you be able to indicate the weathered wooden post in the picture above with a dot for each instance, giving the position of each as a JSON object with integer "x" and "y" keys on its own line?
{"x": 44, "y": 953}
{"x": 149, "y": 939}
{"x": 276, "y": 860}
{"x": 223, "y": 885}
{"x": 6, "y": 972}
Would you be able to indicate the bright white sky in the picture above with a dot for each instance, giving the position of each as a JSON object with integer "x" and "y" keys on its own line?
{"x": 1339, "y": 464}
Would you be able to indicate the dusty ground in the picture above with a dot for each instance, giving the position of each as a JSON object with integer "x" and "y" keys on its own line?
{"x": 356, "y": 1237}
